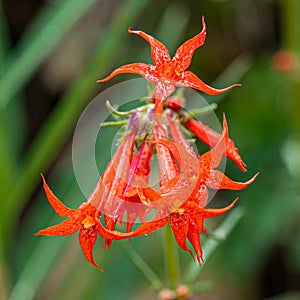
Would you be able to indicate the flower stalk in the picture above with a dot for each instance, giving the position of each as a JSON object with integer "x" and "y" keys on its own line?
{"x": 171, "y": 258}
{"x": 152, "y": 277}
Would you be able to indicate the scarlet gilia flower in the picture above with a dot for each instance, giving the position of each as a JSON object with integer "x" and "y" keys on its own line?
{"x": 85, "y": 219}
{"x": 187, "y": 216}
{"x": 123, "y": 194}
{"x": 106, "y": 199}
{"x": 125, "y": 180}
{"x": 168, "y": 73}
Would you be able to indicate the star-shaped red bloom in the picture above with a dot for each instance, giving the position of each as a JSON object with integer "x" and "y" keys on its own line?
{"x": 85, "y": 219}
{"x": 187, "y": 219}
{"x": 167, "y": 73}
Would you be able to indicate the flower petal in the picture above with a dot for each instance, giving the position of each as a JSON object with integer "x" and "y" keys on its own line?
{"x": 212, "y": 158}
{"x": 56, "y": 204}
{"x": 147, "y": 71}
{"x": 189, "y": 79}
{"x": 111, "y": 234}
{"x": 159, "y": 52}
{"x": 177, "y": 135}
{"x": 219, "y": 181}
{"x": 199, "y": 212}
{"x": 150, "y": 226}
{"x": 194, "y": 237}
{"x": 185, "y": 52}
{"x": 210, "y": 137}
{"x": 161, "y": 93}
{"x": 200, "y": 194}
{"x": 167, "y": 166}
{"x": 87, "y": 240}
{"x": 67, "y": 227}
{"x": 180, "y": 227}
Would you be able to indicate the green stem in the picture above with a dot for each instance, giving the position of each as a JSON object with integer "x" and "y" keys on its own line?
{"x": 193, "y": 113}
{"x": 171, "y": 258}
{"x": 154, "y": 280}
{"x": 212, "y": 244}
{"x": 114, "y": 123}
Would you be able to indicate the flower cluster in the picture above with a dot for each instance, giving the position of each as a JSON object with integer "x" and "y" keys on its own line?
{"x": 123, "y": 195}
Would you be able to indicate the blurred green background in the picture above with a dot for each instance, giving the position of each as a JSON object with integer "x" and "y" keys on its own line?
{"x": 51, "y": 54}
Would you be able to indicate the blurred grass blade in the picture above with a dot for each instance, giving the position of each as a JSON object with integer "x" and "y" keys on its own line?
{"x": 7, "y": 162}
{"x": 290, "y": 10}
{"x": 6, "y": 157}
{"x": 58, "y": 126}
{"x": 212, "y": 244}
{"x": 47, "y": 30}
{"x": 171, "y": 38}
{"x": 154, "y": 280}
{"x": 36, "y": 268}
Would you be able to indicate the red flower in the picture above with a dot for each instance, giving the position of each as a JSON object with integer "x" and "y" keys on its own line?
{"x": 187, "y": 218}
{"x": 119, "y": 191}
{"x": 129, "y": 190}
{"x": 210, "y": 137}
{"x": 84, "y": 219}
{"x": 207, "y": 135}
{"x": 168, "y": 73}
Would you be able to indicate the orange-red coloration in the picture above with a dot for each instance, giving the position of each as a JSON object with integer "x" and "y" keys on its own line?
{"x": 85, "y": 219}
{"x": 168, "y": 73}
{"x": 123, "y": 193}
{"x": 210, "y": 137}
{"x": 187, "y": 219}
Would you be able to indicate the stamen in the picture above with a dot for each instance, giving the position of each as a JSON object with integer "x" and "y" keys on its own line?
{"x": 88, "y": 222}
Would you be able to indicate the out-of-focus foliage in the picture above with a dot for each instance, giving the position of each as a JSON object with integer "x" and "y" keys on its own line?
{"x": 51, "y": 54}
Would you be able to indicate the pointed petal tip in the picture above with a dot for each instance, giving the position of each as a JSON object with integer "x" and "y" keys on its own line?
{"x": 96, "y": 265}
{"x": 234, "y": 202}
{"x": 225, "y": 125}
{"x": 138, "y": 32}
{"x": 102, "y": 80}
{"x": 232, "y": 86}
{"x": 215, "y": 212}
{"x": 203, "y": 24}
{"x": 47, "y": 232}
{"x": 252, "y": 179}
{"x": 132, "y": 31}
{"x": 220, "y": 91}
{"x": 44, "y": 180}
{"x": 43, "y": 232}
{"x": 241, "y": 165}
